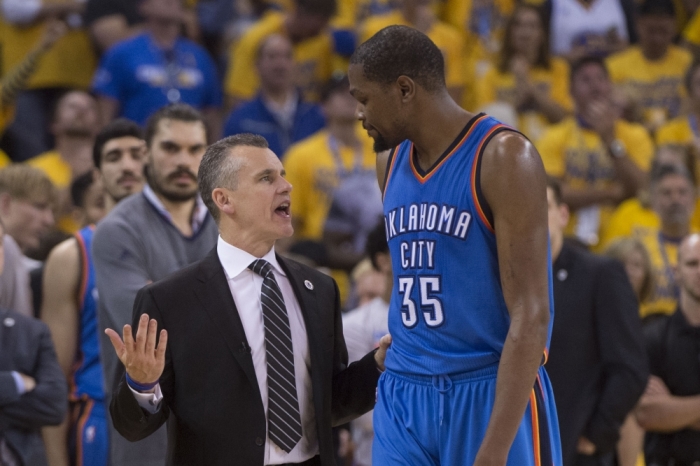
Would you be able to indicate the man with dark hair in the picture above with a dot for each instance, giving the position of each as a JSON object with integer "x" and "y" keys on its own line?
{"x": 363, "y": 329}
{"x": 69, "y": 298}
{"x": 147, "y": 237}
{"x": 305, "y": 27}
{"x": 279, "y": 112}
{"x": 597, "y": 362}
{"x": 258, "y": 336}
{"x": 651, "y": 73}
{"x": 466, "y": 218}
{"x": 599, "y": 158}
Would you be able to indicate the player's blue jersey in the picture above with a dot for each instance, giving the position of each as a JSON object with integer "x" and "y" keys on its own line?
{"x": 447, "y": 313}
{"x": 87, "y": 374}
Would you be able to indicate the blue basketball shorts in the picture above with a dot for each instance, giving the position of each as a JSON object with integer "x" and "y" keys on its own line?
{"x": 89, "y": 434}
{"x": 442, "y": 420}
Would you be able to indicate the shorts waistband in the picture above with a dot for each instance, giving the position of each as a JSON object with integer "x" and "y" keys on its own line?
{"x": 488, "y": 372}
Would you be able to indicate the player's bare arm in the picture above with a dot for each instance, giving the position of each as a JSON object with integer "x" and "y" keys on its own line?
{"x": 514, "y": 185}
{"x": 59, "y": 310}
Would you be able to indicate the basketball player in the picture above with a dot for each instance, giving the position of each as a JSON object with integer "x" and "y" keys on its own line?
{"x": 470, "y": 315}
{"x": 69, "y": 306}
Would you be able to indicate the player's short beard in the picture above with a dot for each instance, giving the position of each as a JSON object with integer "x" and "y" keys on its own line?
{"x": 380, "y": 144}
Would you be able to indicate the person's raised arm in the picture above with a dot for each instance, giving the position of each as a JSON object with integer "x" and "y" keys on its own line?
{"x": 59, "y": 310}
{"x": 514, "y": 185}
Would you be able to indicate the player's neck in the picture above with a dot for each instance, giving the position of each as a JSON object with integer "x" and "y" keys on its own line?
{"x": 441, "y": 124}
{"x": 690, "y": 307}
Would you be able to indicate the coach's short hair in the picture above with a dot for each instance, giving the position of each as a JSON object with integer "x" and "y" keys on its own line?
{"x": 218, "y": 171}
{"x": 401, "y": 51}
{"x": 119, "y": 128}
{"x": 177, "y": 112}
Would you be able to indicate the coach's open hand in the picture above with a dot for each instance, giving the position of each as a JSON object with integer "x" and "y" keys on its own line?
{"x": 143, "y": 361}
{"x": 380, "y": 355}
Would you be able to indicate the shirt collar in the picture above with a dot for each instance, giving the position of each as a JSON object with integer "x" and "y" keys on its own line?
{"x": 235, "y": 260}
{"x": 198, "y": 216}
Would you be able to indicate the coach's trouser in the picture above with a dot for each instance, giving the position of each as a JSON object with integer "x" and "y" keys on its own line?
{"x": 441, "y": 420}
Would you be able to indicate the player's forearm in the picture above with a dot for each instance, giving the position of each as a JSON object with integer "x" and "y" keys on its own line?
{"x": 517, "y": 371}
{"x": 668, "y": 413}
{"x": 56, "y": 443}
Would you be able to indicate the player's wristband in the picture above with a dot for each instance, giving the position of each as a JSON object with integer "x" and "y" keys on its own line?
{"x": 140, "y": 387}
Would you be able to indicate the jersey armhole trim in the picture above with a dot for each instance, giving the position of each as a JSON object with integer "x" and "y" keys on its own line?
{"x": 389, "y": 168}
{"x": 84, "y": 269}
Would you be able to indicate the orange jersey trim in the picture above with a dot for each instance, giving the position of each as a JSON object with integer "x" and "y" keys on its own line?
{"x": 535, "y": 428}
{"x": 79, "y": 431}
{"x": 423, "y": 179}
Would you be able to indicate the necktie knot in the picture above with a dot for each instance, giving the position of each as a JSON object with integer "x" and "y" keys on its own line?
{"x": 261, "y": 267}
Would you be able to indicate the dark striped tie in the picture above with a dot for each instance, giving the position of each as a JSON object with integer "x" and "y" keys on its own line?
{"x": 284, "y": 421}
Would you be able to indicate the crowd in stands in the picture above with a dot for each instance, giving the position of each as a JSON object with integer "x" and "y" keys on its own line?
{"x": 107, "y": 106}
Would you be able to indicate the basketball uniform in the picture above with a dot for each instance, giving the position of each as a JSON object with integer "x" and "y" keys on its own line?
{"x": 448, "y": 317}
{"x": 88, "y": 429}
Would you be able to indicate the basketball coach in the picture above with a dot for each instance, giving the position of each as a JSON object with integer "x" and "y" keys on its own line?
{"x": 242, "y": 353}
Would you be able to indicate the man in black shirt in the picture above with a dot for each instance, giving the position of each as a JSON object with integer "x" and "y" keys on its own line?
{"x": 670, "y": 407}
{"x": 597, "y": 363}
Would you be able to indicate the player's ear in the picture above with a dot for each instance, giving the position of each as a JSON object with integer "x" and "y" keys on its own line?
{"x": 407, "y": 87}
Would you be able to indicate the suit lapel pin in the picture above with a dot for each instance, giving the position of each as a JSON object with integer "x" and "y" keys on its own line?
{"x": 9, "y": 322}
{"x": 562, "y": 274}
{"x": 308, "y": 285}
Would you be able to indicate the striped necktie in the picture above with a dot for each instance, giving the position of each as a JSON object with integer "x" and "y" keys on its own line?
{"x": 284, "y": 420}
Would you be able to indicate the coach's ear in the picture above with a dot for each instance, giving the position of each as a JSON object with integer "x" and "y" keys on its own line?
{"x": 407, "y": 87}
{"x": 223, "y": 200}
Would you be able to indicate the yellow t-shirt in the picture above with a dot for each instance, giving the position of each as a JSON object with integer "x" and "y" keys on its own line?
{"x": 496, "y": 86}
{"x": 71, "y": 62}
{"x": 313, "y": 57}
{"x": 656, "y": 85}
{"x": 483, "y": 31}
{"x": 312, "y": 171}
{"x": 7, "y": 114}
{"x": 4, "y": 160}
{"x": 676, "y": 131}
{"x": 691, "y": 33}
{"x": 448, "y": 39}
{"x": 663, "y": 253}
{"x": 61, "y": 175}
{"x": 630, "y": 219}
{"x": 577, "y": 156}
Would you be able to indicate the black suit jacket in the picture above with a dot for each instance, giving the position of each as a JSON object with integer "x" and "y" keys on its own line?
{"x": 211, "y": 397}
{"x": 26, "y": 347}
{"x": 597, "y": 361}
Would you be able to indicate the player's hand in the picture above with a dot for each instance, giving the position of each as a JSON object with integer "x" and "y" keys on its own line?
{"x": 143, "y": 361}
{"x": 585, "y": 446}
{"x": 380, "y": 355}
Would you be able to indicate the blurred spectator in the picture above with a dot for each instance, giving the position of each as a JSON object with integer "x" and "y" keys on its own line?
{"x": 319, "y": 166}
{"x": 581, "y": 28}
{"x": 70, "y": 302}
{"x": 670, "y": 408}
{"x": 600, "y": 158}
{"x": 632, "y": 254}
{"x": 26, "y": 198}
{"x": 353, "y": 12}
{"x": 278, "y": 112}
{"x": 691, "y": 35}
{"x": 368, "y": 282}
{"x": 363, "y": 328}
{"x": 526, "y": 77}
{"x": 87, "y": 195}
{"x": 69, "y": 64}
{"x": 482, "y": 23}
{"x": 651, "y": 73}
{"x": 15, "y": 290}
{"x": 147, "y": 237}
{"x": 141, "y": 74}
{"x": 672, "y": 195}
{"x": 74, "y": 125}
{"x": 313, "y": 49}
{"x": 685, "y": 129}
{"x": 419, "y": 14}
{"x": 634, "y": 216}
{"x": 16, "y": 78}
{"x": 32, "y": 389}
{"x": 597, "y": 363}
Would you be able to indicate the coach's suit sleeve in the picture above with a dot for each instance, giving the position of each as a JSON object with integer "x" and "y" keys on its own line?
{"x": 47, "y": 403}
{"x": 354, "y": 386}
{"x": 130, "y": 420}
{"x": 621, "y": 347}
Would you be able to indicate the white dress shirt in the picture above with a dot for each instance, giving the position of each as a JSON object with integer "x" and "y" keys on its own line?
{"x": 245, "y": 287}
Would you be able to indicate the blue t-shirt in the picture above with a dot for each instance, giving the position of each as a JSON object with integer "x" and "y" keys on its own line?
{"x": 144, "y": 77}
